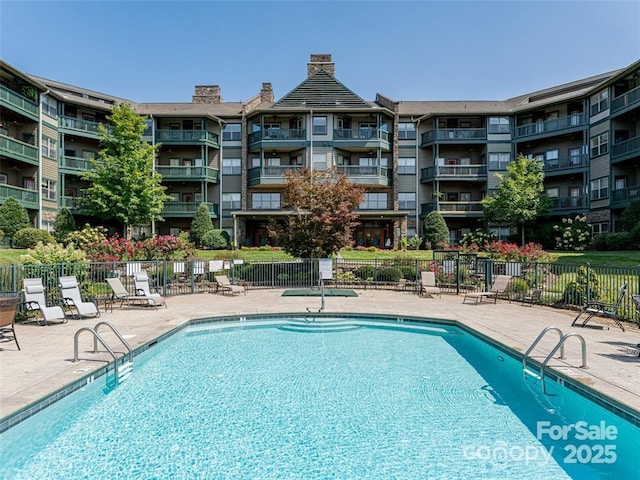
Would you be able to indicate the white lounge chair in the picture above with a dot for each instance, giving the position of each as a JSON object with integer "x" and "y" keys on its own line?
{"x": 141, "y": 282}
{"x": 428, "y": 284}
{"x": 499, "y": 287}
{"x": 119, "y": 292}
{"x": 226, "y": 286}
{"x": 72, "y": 298}
{"x": 36, "y": 300}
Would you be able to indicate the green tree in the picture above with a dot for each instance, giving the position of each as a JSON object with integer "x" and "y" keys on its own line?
{"x": 200, "y": 225}
{"x": 631, "y": 216}
{"x": 13, "y": 217}
{"x": 124, "y": 185}
{"x": 324, "y": 214}
{"x": 63, "y": 225}
{"x": 215, "y": 239}
{"x": 435, "y": 230}
{"x": 520, "y": 195}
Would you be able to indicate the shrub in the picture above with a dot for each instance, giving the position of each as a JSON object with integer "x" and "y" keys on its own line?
{"x": 575, "y": 293}
{"x": 366, "y": 272}
{"x": 391, "y": 274}
{"x": 477, "y": 240}
{"x": 13, "y": 217}
{"x": 517, "y": 287}
{"x": 413, "y": 243}
{"x": 613, "y": 241}
{"x": 631, "y": 216}
{"x": 214, "y": 240}
{"x": 88, "y": 234}
{"x": 30, "y": 237}
{"x": 634, "y": 235}
{"x": 573, "y": 234}
{"x": 200, "y": 225}
{"x": 45, "y": 261}
{"x": 408, "y": 272}
{"x": 435, "y": 230}
{"x": 1, "y": 235}
{"x": 64, "y": 225}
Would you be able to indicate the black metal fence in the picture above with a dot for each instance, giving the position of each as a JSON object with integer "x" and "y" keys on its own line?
{"x": 563, "y": 286}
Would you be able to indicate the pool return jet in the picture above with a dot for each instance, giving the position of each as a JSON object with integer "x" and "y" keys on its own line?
{"x": 325, "y": 272}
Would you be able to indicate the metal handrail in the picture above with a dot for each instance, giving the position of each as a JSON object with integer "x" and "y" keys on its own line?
{"x": 101, "y": 340}
{"x": 560, "y": 344}
{"x": 117, "y": 333}
{"x": 535, "y": 342}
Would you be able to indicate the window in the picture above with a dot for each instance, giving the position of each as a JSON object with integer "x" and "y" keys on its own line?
{"x": 231, "y": 201}
{"x": 574, "y": 156}
{"x": 374, "y": 201}
{"x": 319, "y": 125}
{"x": 553, "y": 192}
{"x": 232, "y": 132}
{"x": 406, "y": 131}
{"x": 319, "y": 161}
{"x": 499, "y": 161}
{"x": 49, "y": 147}
{"x": 499, "y": 125}
{"x": 4, "y": 179}
{"x": 231, "y": 166}
{"x": 148, "y": 128}
{"x": 599, "y": 102}
{"x": 265, "y": 201}
{"x": 551, "y": 158}
{"x": 599, "y": 188}
{"x": 501, "y": 233}
{"x": 49, "y": 106}
{"x": 407, "y": 201}
{"x": 406, "y": 165}
{"x": 367, "y": 130}
{"x": 600, "y": 144}
{"x": 49, "y": 190}
{"x": 599, "y": 228}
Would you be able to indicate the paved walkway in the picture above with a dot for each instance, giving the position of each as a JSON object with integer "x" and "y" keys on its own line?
{"x": 44, "y": 363}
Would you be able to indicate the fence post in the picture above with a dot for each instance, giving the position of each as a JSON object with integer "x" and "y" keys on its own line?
{"x": 488, "y": 273}
{"x": 164, "y": 275}
{"x": 588, "y": 282}
{"x": 458, "y": 274}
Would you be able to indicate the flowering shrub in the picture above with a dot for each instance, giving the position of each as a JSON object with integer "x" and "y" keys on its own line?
{"x": 510, "y": 252}
{"x": 477, "y": 240}
{"x": 573, "y": 234}
{"x": 44, "y": 262}
{"x": 116, "y": 249}
{"x": 89, "y": 234}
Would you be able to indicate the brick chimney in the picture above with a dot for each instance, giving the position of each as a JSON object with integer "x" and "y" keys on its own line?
{"x": 207, "y": 94}
{"x": 266, "y": 93}
{"x": 321, "y": 60}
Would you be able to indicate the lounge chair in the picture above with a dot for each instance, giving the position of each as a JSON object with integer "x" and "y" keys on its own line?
{"x": 499, "y": 287}
{"x": 119, "y": 292}
{"x": 141, "y": 282}
{"x": 226, "y": 286}
{"x": 8, "y": 307}
{"x": 428, "y": 284}
{"x": 608, "y": 310}
{"x": 532, "y": 298}
{"x": 36, "y": 300}
{"x": 72, "y": 298}
{"x": 636, "y": 302}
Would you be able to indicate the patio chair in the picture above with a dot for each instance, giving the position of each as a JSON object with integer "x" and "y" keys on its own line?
{"x": 499, "y": 287}
{"x": 428, "y": 284}
{"x": 141, "y": 282}
{"x": 72, "y": 298}
{"x": 119, "y": 292}
{"x": 226, "y": 286}
{"x": 36, "y": 300}
{"x": 636, "y": 302}
{"x": 607, "y": 310}
{"x": 8, "y": 307}
{"x": 532, "y": 298}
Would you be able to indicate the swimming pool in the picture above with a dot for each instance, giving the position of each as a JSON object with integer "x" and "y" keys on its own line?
{"x": 350, "y": 398}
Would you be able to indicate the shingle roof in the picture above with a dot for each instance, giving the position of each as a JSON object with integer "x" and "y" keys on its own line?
{"x": 322, "y": 91}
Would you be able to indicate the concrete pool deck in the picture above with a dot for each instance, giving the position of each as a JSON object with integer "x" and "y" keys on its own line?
{"x": 44, "y": 364}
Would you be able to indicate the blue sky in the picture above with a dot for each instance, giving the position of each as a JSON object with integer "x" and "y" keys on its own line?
{"x": 150, "y": 51}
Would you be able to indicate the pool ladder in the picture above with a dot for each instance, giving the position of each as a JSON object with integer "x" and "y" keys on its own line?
{"x": 122, "y": 371}
{"x": 560, "y": 345}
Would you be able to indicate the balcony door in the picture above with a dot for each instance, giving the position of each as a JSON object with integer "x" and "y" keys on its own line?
{"x": 574, "y": 196}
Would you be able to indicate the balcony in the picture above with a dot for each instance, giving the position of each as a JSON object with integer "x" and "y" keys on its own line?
{"x": 72, "y": 203}
{"x": 561, "y": 205}
{"x": 16, "y": 102}
{"x": 187, "y": 137}
{"x": 269, "y": 175}
{"x": 621, "y": 198}
{"x": 187, "y": 209}
{"x": 367, "y": 174}
{"x": 361, "y": 138}
{"x": 454, "y": 135}
{"x": 78, "y": 126}
{"x": 551, "y": 127}
{"x": 626, "y": 101}
{"x": 454, "y": 172}
{"x": 12, "y": 148}
{"x": 625, "y": 150}
{"x": 74, "y": 165}
{"x": 566, "y": 165}
{"x": 281, "y": 138}
{"x": 453, "y": 209}
{"x": 27, "y": 198}
{"x": 187, "y": 174}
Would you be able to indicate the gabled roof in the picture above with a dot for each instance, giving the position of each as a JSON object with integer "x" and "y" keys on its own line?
{"x": 322, "y": 91}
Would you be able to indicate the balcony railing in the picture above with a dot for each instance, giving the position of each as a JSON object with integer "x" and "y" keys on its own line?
{"x": 18, "y": 102}
{"x": 278, "y": 134}
{"x": 553, "y": 125}
{"x": 187, "y": 209}
{"x": 19, "y": 150}
{"x": 72, "y": 203}
{"x": 559, "y": 204}
{"x": 454, "y": 172}
{"x": 625, "y": 100}
{"x": 360, "y": 134}
{"x": 628, "y": 148}
{"x": 623, "y": 196}
{"x": 471, "y": 209}
{"x": 454, "y": 135}
{"x": 187, "y": 137}
{"x": 79, "y": 125}
{"x": 28, "y": 198}
{"x": 566, "y": 164}
{"x": 367, "y": 174}
{"x": 180, "y": 173}
{"x": 74, "y": 164}
{"x": 270, "y": 174}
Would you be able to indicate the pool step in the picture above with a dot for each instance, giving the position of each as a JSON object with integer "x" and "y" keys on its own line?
{"x": 319, "y": 326}
{"x": 531, "y": 373}
{"x": 125, "y": 371}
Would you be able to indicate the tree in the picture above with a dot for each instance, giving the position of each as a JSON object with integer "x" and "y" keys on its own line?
{"x": 200, "y": 225}
{"x": 124, "y": 186}
{"x": 13, "y": 217}
{"x": 63, "y": 225}
{"x": 324, "y": 214}
{"x": 631, "y": 216}
{"x": 520, "y": 195}
{"x": 435, "y": 230}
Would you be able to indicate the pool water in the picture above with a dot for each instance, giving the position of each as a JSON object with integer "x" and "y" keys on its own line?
{"x": 372, "y": 401}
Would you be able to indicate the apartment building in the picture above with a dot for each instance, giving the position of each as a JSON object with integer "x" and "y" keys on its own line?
{"x": 412, "y": 157}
